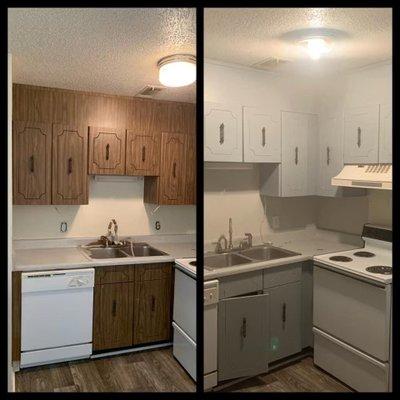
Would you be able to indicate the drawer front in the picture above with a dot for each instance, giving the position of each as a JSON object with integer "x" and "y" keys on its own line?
{"x": 150, "y": 272}
{"x": 351, "y": 366}
{"x": 240, "y": 284}
{"x": 282, "y": 275}
{"x": 114, "y": 274}
{"x": 354, "y": 311}
{"x": 184, "y": 350}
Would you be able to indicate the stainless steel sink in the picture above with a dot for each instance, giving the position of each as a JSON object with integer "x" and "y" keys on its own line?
{"x": 266, "y": 253}
{"x": 224, "y": 260}
{"x": 142, "y": 250}
{"x": 106, "y": 252}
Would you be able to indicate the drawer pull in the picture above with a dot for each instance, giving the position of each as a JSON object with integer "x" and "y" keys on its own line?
{"x": 114, "y": 308}
{"x": 283, "y": 316}
{"x": 143, "y": 153}
{"x": 70, "y": 166}
{"x": 328, "y": 155}
{"x": 263, "y": 142}
{"x": 107, "y": 152}
{"x": 174, "y": 170}
{"x": 359, "y": 137}
{"x": 244, "y": 328}
{"x": 32, "y": 164}
{"x": 153, "y": 303}
{"x": 296, "y": 155}
{"x": 221, "y": 133}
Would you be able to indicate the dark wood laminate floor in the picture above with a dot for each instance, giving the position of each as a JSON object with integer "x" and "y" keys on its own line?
{"x": 301, "y": 376}
{"x": 146, "y": 371}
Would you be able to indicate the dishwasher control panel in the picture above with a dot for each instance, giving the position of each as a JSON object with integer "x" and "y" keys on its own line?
{"x": 210, "y": 293}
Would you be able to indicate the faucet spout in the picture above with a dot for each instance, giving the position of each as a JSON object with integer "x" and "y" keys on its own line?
{"x": 230, "y": 245}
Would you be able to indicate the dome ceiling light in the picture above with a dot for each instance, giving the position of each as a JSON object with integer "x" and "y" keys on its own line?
{"x": 177, "y": 70}
{"x": 316, "y": 46}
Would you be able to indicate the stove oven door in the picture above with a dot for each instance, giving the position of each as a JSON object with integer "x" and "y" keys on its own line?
{"x": 352, "y": 310}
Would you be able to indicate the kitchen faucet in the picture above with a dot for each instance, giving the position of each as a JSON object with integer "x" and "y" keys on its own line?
{"x": 230, "y": 245}
{"x": 114, "y": 237}
{"x": 218, "y": 247}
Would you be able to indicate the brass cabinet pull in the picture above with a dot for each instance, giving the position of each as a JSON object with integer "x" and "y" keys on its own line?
{"x": 114, "y": 308}
{"x": 359, "y": 137}
{"x": 144, "y": 153}
{"x": 107, "y": 151}
{"x": 284, "y": 315}
{"x": 32, "y": 164}
{"x": 263, "y": 143}
{"x": 244, "y": 328}
{"x": 70, "y": 166}
{"x": 174, "y": 170}
{"x": 296, "y": 155}
{"x": 328, "y": 153}
{"x": 221, "y": 133}
{"x": 153, "y": 303}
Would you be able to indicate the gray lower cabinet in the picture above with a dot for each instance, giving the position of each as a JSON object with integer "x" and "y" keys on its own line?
{"x": 242, "y": 333}
{"x": 285, "y": 308}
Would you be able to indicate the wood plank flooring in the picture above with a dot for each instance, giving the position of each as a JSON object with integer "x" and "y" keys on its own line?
{"x": 146, "y": 371}
{"x": 301, "y": 376}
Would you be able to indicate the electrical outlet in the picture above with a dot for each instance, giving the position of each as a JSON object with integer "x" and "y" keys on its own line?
{"x": 63, "y": 227}
{"x": 157, "y": 225}
{"x": 275, "y": 222}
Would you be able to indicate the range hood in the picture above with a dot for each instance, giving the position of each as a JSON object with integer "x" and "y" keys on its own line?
{"x": 370, "y": 176}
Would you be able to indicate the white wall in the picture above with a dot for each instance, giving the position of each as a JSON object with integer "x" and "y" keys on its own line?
{"x": 120, "y": 200}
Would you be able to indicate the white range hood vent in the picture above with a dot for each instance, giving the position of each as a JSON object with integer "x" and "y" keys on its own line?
{"x": 370, "y": 176}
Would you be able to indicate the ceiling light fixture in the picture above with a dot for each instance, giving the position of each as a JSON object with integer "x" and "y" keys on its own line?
{"x": 316, "y": 47}
{"x": 177, "y": 70}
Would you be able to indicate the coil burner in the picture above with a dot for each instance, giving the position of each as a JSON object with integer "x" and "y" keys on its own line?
{"x": 341, "y": 258}
{"x": 380, "y": 269}
{"x": 366, "y": 254}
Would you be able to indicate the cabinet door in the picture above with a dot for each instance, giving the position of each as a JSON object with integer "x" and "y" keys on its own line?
{"x": 222, "y": 132}
{"x": 330, "y": 153}
{"x": 261, "y": 136}
{"x": 285, "y": 321}
{"x": 106, "y": 151}
{"x": 190, "y": 185}
{"x": 385, "y": 133}
{"x": 173, "y": 169}
{"x": 113, "y": 316}
{"x": 361, "y": 131}
{"x": 152, "y": 311}
{"x": 142, "y": 153}
{"x": 70, "y": 184}
{"x": 31, "y": 163}
{"x": 294, "y": 154}
{"x": 242, "y": 334}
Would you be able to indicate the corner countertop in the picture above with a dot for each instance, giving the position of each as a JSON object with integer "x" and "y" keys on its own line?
{"x": 307, "y": 243}
{"x": 66, "y": 253}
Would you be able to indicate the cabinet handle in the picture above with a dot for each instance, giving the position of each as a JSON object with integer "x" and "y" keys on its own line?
{"x": 153, "y": 303}
{"x": 328, "y": 154}
{"x": 283, "y": 315}
{"x": 244, "y": 328}
{"x": 221, "y": 133}
{"x": 263, "y": 136}
{"x": 174, "y": 170}
{"x": 107, "y": 151}
{"x": 144, "y": 153}
{"x": 114, "y": 308}
{"x": 70, "y": 166}
{"x": 32, "y": 163}
{"x": 296, "y": 155}
{"x": 359, "y": 137}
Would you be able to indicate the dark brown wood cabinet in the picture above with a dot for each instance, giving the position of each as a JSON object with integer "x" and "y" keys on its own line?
{"x": 142, "y": 153}
{"x": 32, "y": 162}
{"x": 69, "y": 184}
{"x": 106, "y": 151}
{"x": 190, "y": 186}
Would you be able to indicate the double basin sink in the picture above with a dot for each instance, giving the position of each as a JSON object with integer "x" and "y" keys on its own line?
{"x": 122, "y": 251}
{"x": 251, "y": 255}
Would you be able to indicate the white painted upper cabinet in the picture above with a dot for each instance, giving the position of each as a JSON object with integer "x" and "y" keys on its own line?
{"x": 361, "y": 130}
{"x": 385, "y": 133}
{"x": 222, "y": 132}
{"x": 261, "y": 136}
{"x": 330, "y": 153}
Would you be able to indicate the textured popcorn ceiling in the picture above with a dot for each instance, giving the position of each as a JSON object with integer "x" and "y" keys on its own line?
{"x": 103, "y": 50}
{"x": 247, "y": 36}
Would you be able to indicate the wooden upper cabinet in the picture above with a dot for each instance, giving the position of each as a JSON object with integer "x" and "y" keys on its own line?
{"x": 70, "y": 183}
{"x": 191, "y": 170}
{"x": 142, "y": 153}
{"x": 106, "y": 151}
{"x": 31, "y": 163}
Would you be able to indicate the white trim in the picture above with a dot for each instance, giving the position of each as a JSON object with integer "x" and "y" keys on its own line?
{"x": 131, "y": 350}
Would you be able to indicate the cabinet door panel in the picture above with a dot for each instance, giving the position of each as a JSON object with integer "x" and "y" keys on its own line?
{"x": 70, "y": 184}
{"x": 31, "y": 163}
{"x": 361, "y": 125}
{"x": 285, "y": 312}
{"x": 190, "y": 186}
{"x": 106, "y": 151}
{"x": 261, "y": 136}
{"x": 142, "y": 153}
{"x": 172, "y": 177}
{"x": 294, "y": 154}
{"x": 152, "y": 311}
{"x": 385, "y": 133}
{"x": 113, "y": 316}
{"x": 242, "y": 334}
{"x": 222, "y": 132}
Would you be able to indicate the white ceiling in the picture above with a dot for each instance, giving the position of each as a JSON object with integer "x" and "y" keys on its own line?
{"x": 247, "y": 36}
{"x": 109, "y": 50}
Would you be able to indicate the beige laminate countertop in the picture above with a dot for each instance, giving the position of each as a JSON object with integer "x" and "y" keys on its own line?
{"x": 41, "y": 259}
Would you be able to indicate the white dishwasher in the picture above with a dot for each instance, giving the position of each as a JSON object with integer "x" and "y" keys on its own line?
{"x": 56, "y": 316}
